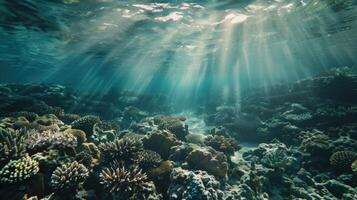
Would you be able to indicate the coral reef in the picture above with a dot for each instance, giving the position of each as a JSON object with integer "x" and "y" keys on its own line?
{"x": 192, "y": 185}
{"x": 147, "y": 159}
{"x": 69, "y": 177}
{"x": 19, "y": 170}
{"x": 287, "y": 141}
{"x": 128, "y": 183}
{"x": 85, "y": 123}
{"x": 39, "y": 141}
{"x": 342, "y": 160}
{"x": 208, "y": 159}
{"x": 122, "y": 149}
{"x": 11, "y": 144}
{"x": 220, "y": 143}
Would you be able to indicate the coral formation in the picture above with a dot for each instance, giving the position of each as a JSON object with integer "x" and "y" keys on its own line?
{"x": 193, "y": 185}
{"x": 39, "y": 141}
{"x": 342, "y": 160}
{"x": 128, "y": 183}
{"x": 85, "y": 123}
{"x": 11, "y": 144}
{"x": 19, "y": 170}
{"x": 122, "y": 149}
{"x": 147, "y": 159}
{"x": 222, "y": 144}
{"x": 69, "y": 177}
{"x": 208, "y": 159}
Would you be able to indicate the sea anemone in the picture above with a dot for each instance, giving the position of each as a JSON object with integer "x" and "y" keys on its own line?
{"x": 342, "y": 160}
{"x": 69, "y": 177}
{"x": 122, "y": 149}
{"x": 19, "y": 170}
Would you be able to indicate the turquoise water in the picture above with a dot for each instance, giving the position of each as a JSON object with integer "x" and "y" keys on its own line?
{"x": 178, "y": 100}
{"x": 184, "y": 49}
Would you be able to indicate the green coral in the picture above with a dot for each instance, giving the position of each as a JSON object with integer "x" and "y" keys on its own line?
{"x": 19, "y": 170}
{"x": 69, "y": 177}
{"x": 341, "y": 161}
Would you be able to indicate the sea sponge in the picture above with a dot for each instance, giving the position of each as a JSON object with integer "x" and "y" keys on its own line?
{"x": 69, "y": 177}
{"x": 341, "y": 161}
{"x": 86, "y": 123}
{"x": 19, "y": 170}
{"x": 11, "y": 144}
{"x": 220, "y": 143}
{"x": 147, "y": 159}
{"x": 120, "y": 149}
{"x": 128, "y": 184}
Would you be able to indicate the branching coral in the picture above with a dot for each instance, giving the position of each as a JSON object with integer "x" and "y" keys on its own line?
{"x": 11, "y": 144}
{"x": 128, "y": 183}
{"x": 342, "y": 160}
{"x": 86, "y": 123}
{"x": 19, "y": 170}
{"x": 222, "y": 144}
{"x": 147, "y": 159}
{"x": 69, "y": 177}
{"x": 121, "y": 149}
{"x": 50, "y": 140}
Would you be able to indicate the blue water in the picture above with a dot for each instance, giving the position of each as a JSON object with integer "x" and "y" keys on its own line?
{"x": 187, "y": 50}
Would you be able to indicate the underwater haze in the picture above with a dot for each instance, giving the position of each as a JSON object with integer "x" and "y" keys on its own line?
{"x": 178, "y": 99}
{"x": 184, "y": 49}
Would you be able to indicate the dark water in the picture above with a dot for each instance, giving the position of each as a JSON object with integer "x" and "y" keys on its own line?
{"x": 185, "y": 49}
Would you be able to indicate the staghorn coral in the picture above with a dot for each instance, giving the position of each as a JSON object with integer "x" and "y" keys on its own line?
{"x": 86, "y": 123}
{"x": 128, "y": 184}
{"x": 220, "y": 143}
{"x": 69, "y": 177}
{"x": 19, "y": 170}
{"x": 147, "y": 159}
{"x": 46, "y": 140}
{"x": 11, "y": 144}
{"x": 341, "y": 161}
{"x": 122, "y": 149}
